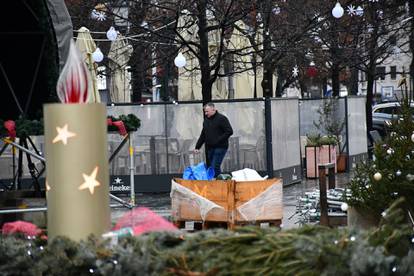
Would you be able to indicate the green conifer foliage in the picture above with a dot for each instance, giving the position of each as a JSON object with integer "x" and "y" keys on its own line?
{"x": 391, "y": 174}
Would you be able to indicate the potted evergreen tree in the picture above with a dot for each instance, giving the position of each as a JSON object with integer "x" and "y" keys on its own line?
{"x": 319, "y": 150}
{"x": 333, "y": 128}
{"x": 389, "y": 176}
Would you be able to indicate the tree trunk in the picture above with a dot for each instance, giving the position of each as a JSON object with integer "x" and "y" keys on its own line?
{"x": 371, "y": 75}
{"x": 303, "y": 89}
{"x": 206, "y": 91}
{"x": 370, "y": 95}
{"x": 353, "y": 87}
{"x": 255, "y": 76}
{"x": 335, "y": 80}
{"x": 204, "y": 60}
{"x": 267, "y": 82}
{"x": 334, "y": 51}
{"x": 279, "y": 83}
{"x": 411, "y": 13}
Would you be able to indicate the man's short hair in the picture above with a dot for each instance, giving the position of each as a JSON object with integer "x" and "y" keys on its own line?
{"x": 210, "y": 104}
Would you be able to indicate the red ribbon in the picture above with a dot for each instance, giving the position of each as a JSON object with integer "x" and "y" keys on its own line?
{"x": 10, "y": 125}
{"x": 119, "y": 124}
{"x": 19, "y": 226}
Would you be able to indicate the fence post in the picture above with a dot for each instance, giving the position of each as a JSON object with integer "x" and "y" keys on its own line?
{"x": 268, "y": 132}
{"x": 348, "y": 167}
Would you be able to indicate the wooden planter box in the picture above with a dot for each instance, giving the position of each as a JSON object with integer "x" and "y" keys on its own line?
{"x": 319, "y": 155}
{"x": 341, "y": 162}
{"x": 227, "y": 201}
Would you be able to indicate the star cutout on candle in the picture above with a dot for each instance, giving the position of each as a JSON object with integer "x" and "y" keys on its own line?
{"x": 47, "y": 187}
{"x": 63, "y": 135}
{"x": 90, "y": 181}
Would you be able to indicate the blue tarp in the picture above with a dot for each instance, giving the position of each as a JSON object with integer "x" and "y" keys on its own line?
{"x": 198, "y": 172}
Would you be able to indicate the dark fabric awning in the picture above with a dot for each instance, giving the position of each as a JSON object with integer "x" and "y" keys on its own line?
{"x": 62, "y": 25}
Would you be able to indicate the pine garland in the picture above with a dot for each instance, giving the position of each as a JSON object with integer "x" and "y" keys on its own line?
{"x": 310, "y": 250}
{"x": 131, "y": 122}
{"x": 25, "y": 127}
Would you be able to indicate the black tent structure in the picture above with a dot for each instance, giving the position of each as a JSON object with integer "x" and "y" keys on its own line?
{"x": 35, "y": 45}
{"x": 34, "y": 48}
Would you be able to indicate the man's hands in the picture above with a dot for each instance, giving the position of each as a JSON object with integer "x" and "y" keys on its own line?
{"x": 196, "y": 151}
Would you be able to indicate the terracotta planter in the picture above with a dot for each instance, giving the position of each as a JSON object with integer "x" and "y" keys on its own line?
{"x": 318, "y": 155}
{"x": 361, "y": 218}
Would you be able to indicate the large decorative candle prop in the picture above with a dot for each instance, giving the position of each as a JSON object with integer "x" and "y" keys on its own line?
{"x": 76, "y": 157}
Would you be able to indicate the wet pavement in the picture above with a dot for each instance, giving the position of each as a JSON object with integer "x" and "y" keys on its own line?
{"x": 160, "y": 203}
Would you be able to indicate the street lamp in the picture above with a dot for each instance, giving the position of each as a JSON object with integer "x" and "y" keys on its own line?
{"x": 338, "y": 11}
{"x": 180, "y": 60}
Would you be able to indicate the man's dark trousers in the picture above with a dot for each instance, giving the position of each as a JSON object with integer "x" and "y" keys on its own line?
{"x": 215, "y": 157}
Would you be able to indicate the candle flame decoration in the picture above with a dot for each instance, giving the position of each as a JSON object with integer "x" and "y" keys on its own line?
{"x": 74, "y": 83}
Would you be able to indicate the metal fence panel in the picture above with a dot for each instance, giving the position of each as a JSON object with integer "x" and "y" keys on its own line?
{"x": 357, "y": 128}
{"x": 309, "y": 115}
{"x": 285, "y": 133}
{"x": 247, "y": 147}
{"x": 147, "y": 143}
{"x": 184, "y": 124}
{"x": 164, "y": 144}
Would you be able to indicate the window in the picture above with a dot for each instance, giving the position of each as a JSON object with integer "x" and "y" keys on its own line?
{"x": 393, "y": 72}
{"x": 387, "y": 110}
{"x": 380, "y": 73}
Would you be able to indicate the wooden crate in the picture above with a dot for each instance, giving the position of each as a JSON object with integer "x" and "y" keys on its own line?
{"x": 215, "y": 191}
{"x": 247, "y": 190}
{"x": 229, "y": 195}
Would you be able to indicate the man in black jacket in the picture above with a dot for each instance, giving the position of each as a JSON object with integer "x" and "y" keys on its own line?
{"x": 215, "y": 135}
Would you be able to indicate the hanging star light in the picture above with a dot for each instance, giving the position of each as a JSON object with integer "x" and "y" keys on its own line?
{"x": 295, "y": 71}
{"x": 101, "y": 16}
{"x": 351, "y": 10}
{"x": 276, "y": 10}
{"x": 90, "y": 181}
{"x": 98, "y": 15}
{"x": 63, "y": 135}
{"x": 380, "y": 14}
{"x": 359, "y": 11}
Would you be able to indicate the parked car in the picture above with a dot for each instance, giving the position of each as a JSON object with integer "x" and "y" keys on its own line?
{"x": 383, "y": 114}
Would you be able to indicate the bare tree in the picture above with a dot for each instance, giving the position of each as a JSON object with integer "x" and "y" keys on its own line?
{"x": 382, "y": 32}
{"x": 281, "y": 33}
